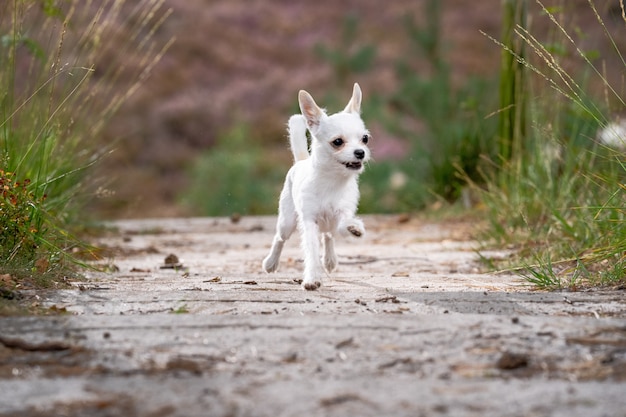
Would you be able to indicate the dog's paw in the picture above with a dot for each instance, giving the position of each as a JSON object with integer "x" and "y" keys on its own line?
{"x": 330, "y": 263}
{"x": 356, "y": 231}
{"x": 311, "y": 286}
{"x": 352, "y": 227}
{"x": 270, "y": 264}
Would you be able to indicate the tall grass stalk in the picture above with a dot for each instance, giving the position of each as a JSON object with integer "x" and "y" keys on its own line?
{"x": 58, "y": 63}
{"x": 562, "y": 199}
{"x": 512, "y": 90}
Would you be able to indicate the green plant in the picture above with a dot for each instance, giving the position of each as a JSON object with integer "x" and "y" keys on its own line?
{"x": 55, "y": 97}
{"x": 459, "y": 135}
{"x": 349, "y": 57}
{"x": 561, "y": 198}
{"x": 513, "y": 85}
{"x": 19, "y": 219}
{"x": 183, "y": 309}
{"x": 235, "y": 176}
{"x": 614, "y": 274}
{"x": 386, "y": 187}
{"x": 542, "y": 275}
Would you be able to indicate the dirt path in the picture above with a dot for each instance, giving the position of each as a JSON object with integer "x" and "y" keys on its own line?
{"x": 408, "y": 326}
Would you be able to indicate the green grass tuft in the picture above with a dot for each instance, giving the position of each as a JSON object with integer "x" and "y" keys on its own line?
{"x": 55, "y": 98}
{"x": 561, "y": 197}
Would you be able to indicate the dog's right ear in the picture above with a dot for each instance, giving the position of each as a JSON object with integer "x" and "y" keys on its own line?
{"x": 311, "y": 112}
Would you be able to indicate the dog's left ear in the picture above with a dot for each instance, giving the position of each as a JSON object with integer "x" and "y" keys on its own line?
{"x": 354, "y": 105}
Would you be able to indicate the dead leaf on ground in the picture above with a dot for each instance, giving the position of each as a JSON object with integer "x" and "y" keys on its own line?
{"x": 6, "y": 280}
{"x": 171, "y": 259}
{"x": 171, "y": 262}
{"x": 509, "y": 360}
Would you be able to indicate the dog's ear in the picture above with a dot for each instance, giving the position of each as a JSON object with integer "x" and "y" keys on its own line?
{"x": 354, "y": 105}
{"x": 311, "y": 112}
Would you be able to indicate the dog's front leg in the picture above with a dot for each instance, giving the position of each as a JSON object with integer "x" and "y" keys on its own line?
{"x": 285, "y": 226}
{"x": 351, "y": 226}
{"x": 312, "y": 264}
{"x": 329, "y": 259}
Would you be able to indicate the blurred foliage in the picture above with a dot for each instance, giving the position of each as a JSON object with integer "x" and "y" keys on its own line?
{"x": 235, "y": 176}
{"x": 458, "y": 136}
{"x": 349, "y": 57}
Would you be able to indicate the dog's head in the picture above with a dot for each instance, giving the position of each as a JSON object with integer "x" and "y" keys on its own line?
{"x": 339, "y": 139}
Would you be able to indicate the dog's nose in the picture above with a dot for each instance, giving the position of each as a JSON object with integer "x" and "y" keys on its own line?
{"x": 359, "y": 153}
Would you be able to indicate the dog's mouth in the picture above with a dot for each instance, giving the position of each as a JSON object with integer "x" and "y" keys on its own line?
{"x": 353, "y": 165}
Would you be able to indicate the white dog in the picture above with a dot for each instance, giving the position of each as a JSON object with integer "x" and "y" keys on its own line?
{"x": 321, "y": 193}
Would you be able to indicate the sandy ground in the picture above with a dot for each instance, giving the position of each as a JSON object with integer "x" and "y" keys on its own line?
{"x": 409, "y": 325}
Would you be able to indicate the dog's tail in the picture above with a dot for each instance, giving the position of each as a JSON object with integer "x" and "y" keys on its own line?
{"x": 297, "y": 137}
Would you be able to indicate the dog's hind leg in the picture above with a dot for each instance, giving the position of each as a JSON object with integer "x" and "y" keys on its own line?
{"x": 285, "y": 226}
{"x": 271, "y": 261}
{"x": 330, "y": 259}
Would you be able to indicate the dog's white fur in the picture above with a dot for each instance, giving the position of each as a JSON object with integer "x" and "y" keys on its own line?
{"x": 321, "y": 193}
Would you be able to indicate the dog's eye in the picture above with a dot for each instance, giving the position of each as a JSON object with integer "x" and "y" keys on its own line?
{"x": 365, "y": 139}
{"x": 337, "y": 142}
